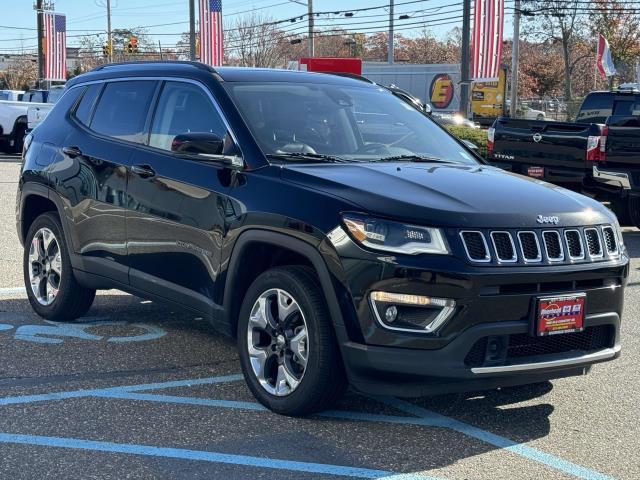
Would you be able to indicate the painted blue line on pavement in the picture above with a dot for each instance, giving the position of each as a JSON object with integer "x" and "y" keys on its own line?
{"x": 12, "y": 290}
{"x": 152, "y": 397}
{"x": 199, "y": 455}
{"x": 552, "y": 461}
{"x": 43, "y": 397}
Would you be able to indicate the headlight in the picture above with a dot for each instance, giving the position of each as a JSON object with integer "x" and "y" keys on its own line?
{"x": 387, "y": 236}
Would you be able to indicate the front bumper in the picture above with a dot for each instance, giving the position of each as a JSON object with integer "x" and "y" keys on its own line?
{"x": 491, "y": 302}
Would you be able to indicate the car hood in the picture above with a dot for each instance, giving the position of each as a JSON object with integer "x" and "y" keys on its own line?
{"x": 449, "y": 195}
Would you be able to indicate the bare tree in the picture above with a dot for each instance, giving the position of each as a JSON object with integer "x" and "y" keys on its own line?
{"x": 21, "y": 73}
{"x": 255, "y": 41}
{"x": 558, "y": 21}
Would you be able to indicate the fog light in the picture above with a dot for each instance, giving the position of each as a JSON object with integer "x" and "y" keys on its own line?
{"x": 391, "y": 314}
{"x": 411, "y": 313}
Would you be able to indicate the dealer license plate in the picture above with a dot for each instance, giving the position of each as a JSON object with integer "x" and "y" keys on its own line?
{"x": 560, "y": 314}
{"x": 536, "y": 172}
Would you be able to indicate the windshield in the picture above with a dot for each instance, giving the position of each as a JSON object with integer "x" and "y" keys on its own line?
{"x": 349, "y": 122}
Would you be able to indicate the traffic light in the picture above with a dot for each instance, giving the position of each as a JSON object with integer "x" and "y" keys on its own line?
{"x": 107, "y": 49}
{"x": 132, "y": 46}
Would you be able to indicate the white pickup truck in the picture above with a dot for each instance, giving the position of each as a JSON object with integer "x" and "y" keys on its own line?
{"x": 37, "y": 112}
{"x": 13, "y": 117}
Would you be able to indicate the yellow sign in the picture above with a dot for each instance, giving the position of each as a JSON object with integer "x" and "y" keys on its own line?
{"x": 488, "y": 98}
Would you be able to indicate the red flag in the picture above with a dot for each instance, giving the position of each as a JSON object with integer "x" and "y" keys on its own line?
{"x": 211, "y": 34}
{"x": 55, "y": 45}
{"x": 488, "y": 28}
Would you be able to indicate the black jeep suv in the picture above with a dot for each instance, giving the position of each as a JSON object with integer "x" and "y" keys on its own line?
{"x": 340, "y": 235}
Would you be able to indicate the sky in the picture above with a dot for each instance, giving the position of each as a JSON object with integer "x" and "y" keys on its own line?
{"x": 18, "y": 19}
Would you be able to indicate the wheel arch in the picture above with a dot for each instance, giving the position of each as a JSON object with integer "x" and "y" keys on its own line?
{"x": 303, "y": 253}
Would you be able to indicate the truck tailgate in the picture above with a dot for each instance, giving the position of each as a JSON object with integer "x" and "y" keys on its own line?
{"x": 553, "y": 151}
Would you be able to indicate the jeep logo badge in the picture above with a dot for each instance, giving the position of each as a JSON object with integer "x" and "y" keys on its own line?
{"x": 544, "y": 220}
{"x": 537, "y": 137}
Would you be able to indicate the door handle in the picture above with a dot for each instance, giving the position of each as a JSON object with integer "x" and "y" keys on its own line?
{"x": 143, "y": 171}
{"x": 72, "y": 152}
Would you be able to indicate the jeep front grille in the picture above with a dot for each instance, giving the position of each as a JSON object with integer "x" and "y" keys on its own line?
{"x": 541, "y": 246}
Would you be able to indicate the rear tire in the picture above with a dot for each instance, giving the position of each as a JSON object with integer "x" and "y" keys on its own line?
{"x": 20, "y": 131}
{"x": 288, "y": 379}
{"x": 52, "y": 288}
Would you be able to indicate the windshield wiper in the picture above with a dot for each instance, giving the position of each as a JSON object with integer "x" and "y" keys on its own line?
{"x": 307, "y": 156}
{"x": 413, "y": 158}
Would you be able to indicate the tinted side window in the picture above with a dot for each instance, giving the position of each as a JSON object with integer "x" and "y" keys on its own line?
{"x": 83, "y": 112}
{"x": 596, "y": 108}
{"x": 183, "y": 108}
{"x": 122, "y": 109}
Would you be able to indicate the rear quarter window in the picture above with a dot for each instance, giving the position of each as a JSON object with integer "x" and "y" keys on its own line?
{"x": 85, "y": 108}
{"x": 123, "y": 108}
{"x": 596, "y": 108}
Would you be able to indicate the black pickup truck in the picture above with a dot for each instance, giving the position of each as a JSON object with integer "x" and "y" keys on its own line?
{"x": 598, "y": 155}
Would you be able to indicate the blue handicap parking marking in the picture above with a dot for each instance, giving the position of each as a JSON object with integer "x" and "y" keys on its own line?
{"x": 56, "y": 333}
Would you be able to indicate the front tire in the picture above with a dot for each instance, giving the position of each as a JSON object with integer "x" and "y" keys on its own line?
{"x": 52, "y": 289}
{"x": 288, "y": 351}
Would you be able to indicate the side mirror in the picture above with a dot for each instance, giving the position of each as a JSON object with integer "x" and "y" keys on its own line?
{"x": 198, "y": 143}
{"x": 427, "y": 109}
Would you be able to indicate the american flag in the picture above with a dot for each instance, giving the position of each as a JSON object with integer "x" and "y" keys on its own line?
{"x": 211, "y": 36}
{"x": 55, "y": 46}
{"x": 488, "y": 27}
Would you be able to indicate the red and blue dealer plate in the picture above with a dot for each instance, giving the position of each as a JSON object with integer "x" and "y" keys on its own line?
{"x": 561, "y": 314}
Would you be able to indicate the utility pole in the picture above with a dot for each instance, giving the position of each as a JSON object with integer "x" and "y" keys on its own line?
{"x": 109, "y": 36}
{"x": 40, "y": 28}
{"x": 312, "y": 49}
{"x": 390, "y": 47}
{"x": 309, "y": 5}
{"x": 465, "y": 81}
{"x": 192, "y": 30}
{"x": 515, "y": 59}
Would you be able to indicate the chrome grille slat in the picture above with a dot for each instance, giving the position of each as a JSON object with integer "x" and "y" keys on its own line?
{"x": 573, "y": 238}
{"x": 553, "y": 245}
{"x": 594, "y": 244}
{"x": 529, "y": 244}
{"x": 504, "y": 247}
{"x": 610, "y": 240}
{"x": 476, "y": 252}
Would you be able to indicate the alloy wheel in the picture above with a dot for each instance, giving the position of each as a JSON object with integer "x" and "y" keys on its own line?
{"x": 45, "y": 266}
{"x": 277, "y": 341}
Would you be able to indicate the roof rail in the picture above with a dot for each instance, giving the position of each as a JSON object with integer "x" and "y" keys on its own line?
{"x": 199, "y": 65}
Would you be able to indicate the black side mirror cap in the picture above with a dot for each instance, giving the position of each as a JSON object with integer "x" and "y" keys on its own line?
{"x": 198, "y": 144}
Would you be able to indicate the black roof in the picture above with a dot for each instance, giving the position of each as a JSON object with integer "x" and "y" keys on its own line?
{"x": 202, "y": 71}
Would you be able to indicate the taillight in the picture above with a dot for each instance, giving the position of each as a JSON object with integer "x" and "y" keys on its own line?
{"x": 597, "y": 146}
{"x": 491, "y": 136}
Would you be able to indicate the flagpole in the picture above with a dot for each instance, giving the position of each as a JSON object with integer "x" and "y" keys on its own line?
{"x": 595, "y": 69}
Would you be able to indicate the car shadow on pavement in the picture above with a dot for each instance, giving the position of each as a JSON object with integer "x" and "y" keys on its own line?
{"x": 632, "y": 242}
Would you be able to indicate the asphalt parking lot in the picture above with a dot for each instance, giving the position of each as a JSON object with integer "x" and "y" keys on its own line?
{"x": 138, "y": 390}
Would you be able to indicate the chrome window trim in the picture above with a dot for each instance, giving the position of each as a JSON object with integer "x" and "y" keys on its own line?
{"x": 616, "y": 241}
{"x": 601, "y": 255}
{"x": 159, "y": 79}
{"x": 546, "y": 250}
{"x": 538, "y": 259}
{"x": 487, "y": 258}
{"x": 513, "y": 246}
{"x": 582, "y": 249}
